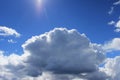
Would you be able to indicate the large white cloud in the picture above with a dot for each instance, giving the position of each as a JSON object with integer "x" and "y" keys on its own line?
{"x": 6, "y": 31}
{"x": 60, "y": 54}
{"x": 61, "y": 51}
{"x": 112, "y": 65}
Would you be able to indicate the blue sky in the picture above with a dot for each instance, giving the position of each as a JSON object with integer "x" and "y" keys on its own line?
{"x": 99, "y": 20}
{"x": 89, "y": 17}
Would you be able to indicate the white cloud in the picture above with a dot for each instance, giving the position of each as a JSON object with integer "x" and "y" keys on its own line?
{"x": 60, "y": 54}
{"x": 5, "y": 31}
{"x": 117, "y": 30}
{"x": 3, "y": 59}
{"x": 58, "y": 47}
{"x": 5, "y": 73}
{"x": 112, "y": 45}
{"x": 117, "y": 26}
{"x": 62, "y": 51}
{"x": 114, "y": 5}
{"x": 112, "y": 65}
{"x": 112, "y": 68}
{"x": 111, "y": 23}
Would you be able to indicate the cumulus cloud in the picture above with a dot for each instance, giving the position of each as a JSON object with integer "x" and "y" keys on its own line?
{"x": 112, "y": 68}
{"x": 60, "y": 54}
{"x": 60, "y": 50}
{"x": 5, "y": 31}
{"x": 6, "y": 72}
{"x": 112, "y": 45}
{"x": 112, "y": 65}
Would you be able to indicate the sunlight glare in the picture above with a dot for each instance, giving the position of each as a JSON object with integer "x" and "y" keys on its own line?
{"x": 39, "y": 6}
{"x": 39, "y": 1}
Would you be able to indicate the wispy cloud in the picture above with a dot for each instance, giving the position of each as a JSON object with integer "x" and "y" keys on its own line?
{"x": 6, "y": 31}
{"x": 113, "y": 7}
{"x": 116, "y": 3}
{"x": 111, "y": 10}
{"x": 111, "y": 23}
{"x": 116, "y": 25}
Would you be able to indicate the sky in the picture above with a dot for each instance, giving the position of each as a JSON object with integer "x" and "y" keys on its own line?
{"x": 39, "y": 38}
{"x": 89, "y": 17}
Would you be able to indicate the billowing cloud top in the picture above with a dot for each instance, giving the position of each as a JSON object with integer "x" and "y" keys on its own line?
{"x": 112, "y": 68}
{"x": 5, "y": 31}
{"x": 60, "y": 50}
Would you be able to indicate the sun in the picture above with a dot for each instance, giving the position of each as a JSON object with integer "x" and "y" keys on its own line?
{"x": 39, "y": 5}
{"x": 39, "y": 1}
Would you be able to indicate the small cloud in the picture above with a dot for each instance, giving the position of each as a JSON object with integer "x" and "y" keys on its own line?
{"x": 117, "y": 25}
{"x": 113, "y": 45}
{"x": 12, "y": 41}
{"x": 111, "y": 23}
{"x": 5, "y": 31}
{"x": 117, "y": 30}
